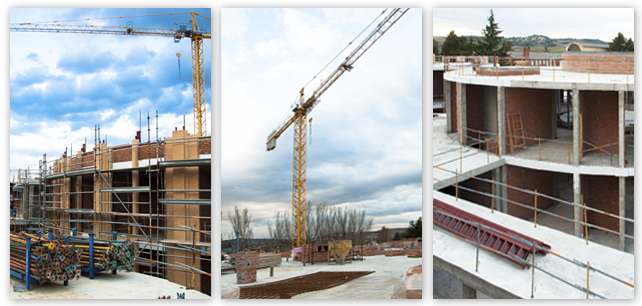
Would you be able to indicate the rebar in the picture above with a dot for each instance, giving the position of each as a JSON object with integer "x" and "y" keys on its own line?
{"x": 287, "y": 288}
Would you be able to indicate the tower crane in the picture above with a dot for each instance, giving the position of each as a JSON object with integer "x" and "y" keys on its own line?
{"x": 298, "y": 119}
{"x": 194, "y": 33}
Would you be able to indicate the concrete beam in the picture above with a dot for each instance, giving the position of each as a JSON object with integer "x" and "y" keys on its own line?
{"x": 577, "y": 191}
{"x": 576, "y": 126}
{"x": 462, "y": 111}
{"x": 501, "y": 120}
{"x": 471, "y": 280}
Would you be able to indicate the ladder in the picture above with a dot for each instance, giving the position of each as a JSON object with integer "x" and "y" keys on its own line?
{"x": 452, "y": 219}
{"x": 487, "y": 238}
{"x": 514, "y": 120}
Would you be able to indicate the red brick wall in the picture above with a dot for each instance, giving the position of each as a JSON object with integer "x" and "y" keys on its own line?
{"x": 121, "y": 155}
{"x": 599, "y": 119}
{"x": 542, "y": 181}
{"x": 535, "y": 106}
{"x": 145, "y": 151}
{"x": 474, "y": 110}
{"x": 88, "y": 160}
{"x": 246, "y": 263}
{"x": 602, "y": 192}
{"x": 205, "y": 145}
{"x": 479, "y": 186}
{"x": 600, "y": 63}
{"x": 311, "y": 253}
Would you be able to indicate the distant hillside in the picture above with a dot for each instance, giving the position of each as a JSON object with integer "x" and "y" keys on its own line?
{"x": 536, "y": 40}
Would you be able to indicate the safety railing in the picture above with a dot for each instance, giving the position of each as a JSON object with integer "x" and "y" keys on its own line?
{"x": 545, "y": 149}
{"x": 620, "y": 67}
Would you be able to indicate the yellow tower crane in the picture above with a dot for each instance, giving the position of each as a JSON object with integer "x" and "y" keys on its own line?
{"x": 194, "y": 33}
{"x": 298, "y": 119}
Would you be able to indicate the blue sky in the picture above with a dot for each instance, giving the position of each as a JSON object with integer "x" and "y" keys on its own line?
{"x": 552, "y": 22}
{"x": 366, "y": 138}
{"x": 62, "y": 84}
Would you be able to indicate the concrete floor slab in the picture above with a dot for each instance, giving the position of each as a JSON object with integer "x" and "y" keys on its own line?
{"x": 378, "y": 285}
{"x": 508, "y": 276}
{"x": 123, "y": 285}
{"x": 548, "y": 78}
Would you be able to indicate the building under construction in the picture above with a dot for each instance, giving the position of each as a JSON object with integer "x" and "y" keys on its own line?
{"x": 156, "y": 194}
{"x": 545, "y": 148}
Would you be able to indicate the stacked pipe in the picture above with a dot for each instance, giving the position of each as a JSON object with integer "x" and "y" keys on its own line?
{"x": 50, "y": 260}
{"x": 108, "y": 255}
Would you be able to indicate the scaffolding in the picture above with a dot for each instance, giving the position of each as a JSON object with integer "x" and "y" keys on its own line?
{"x": 156, "y": 194}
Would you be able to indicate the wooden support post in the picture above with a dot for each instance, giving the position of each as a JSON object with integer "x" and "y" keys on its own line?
{"x": 588, "y": 269}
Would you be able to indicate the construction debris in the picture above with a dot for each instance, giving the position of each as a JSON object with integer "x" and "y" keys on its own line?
{"x": 410, "y": 285}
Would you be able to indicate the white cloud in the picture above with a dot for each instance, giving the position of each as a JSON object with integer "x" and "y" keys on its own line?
{"x": 235, "y": 23}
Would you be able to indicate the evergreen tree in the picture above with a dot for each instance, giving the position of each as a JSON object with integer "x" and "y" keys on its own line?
{"x": 435, "y": 46}
{"x": 453, "y": 44}
{"x": 490, "y": 42}
{"x": 621, "y": 44}
{"x": 414, "y": 230}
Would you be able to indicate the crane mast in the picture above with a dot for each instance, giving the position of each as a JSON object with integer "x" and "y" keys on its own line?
{"x": 299, "y": 119}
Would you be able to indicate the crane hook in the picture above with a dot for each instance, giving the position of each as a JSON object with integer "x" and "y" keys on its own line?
{"x": 179, "y": 64}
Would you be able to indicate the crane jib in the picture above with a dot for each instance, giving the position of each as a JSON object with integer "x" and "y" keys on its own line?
{"x": 299, "y": 176}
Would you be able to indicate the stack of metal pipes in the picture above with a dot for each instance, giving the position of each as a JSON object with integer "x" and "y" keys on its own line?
{"x": 108, "y": 254}
{"x": 50, "y": 260}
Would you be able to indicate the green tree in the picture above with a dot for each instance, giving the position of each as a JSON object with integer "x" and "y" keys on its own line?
{"x": 435, "y": 46}
{"x": 621, "y": 44}
{"x": 469, "y": 46}
{"x": 453, "y": 44}
{"x": 490, "y": 42}
{"x": 397, "y": 237}
{"x": 415, "y": 229}
{"x": 546, "y": 49}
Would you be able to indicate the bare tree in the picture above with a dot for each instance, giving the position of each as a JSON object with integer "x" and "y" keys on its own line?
{"x": 241, "y": 224}
{"x": 281, "y": 231}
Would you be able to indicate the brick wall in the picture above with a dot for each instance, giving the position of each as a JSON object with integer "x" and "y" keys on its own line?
{"x": 121, "y": 155}
{"x": 602, "y": 192}
{"x": 474, "y": 110}
{"x": 535, "y": 106}
{"x": 479, "y": 186}
{"x": 600, "y": 63}
{"x": 246, "y": 263}
{"x": 313, "y": 253}
{"x": 145, "y": 151}
{"x": 205, "y": 145}
{"x": 542, "y": 181}
{"x": 599, "y": 119}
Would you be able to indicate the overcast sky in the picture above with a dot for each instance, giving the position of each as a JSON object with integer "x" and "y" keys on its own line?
{"x": 62, "y": 85}
{"x": 593, "y": 23}
{"x": 366, "y": 138}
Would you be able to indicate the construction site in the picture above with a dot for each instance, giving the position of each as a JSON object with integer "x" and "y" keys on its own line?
{"x": 338, "y": 266}
{"x": 106, "y": 221}
{"x": 533, "y": 176}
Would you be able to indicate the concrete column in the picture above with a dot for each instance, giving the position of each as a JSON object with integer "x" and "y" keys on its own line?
{"x": 462, "y": 111}
{"x": 576, "y": 159}
{"x": 501, "y": 120}
{"x": 622, "y": 212}
{"x": 620, "y": 127}
{"x": 468, "y": 292}
{"x": 554, "y": 96}
{"x": 501, "y": 147}
{"x": 577, "y": 191}
{"x": 576, "y": 125}
{"x": 448, "y": 99}
{"x": 499, "y": 175}
{"x": 504, "y": 190}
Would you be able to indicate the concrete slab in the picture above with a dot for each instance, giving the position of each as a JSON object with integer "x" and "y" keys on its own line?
{"x": 506, "y": 276}
{"x": 123, "y": 285}
{"x": 446, "y": 153}
{"x": 548, "y": 78}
